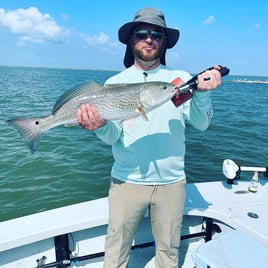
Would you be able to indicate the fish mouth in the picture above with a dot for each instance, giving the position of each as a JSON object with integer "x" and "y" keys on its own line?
{"x": 171, "y": 91}
{"x": 174, "y": 91}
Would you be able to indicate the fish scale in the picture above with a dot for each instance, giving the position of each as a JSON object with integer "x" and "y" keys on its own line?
{"x": 113, "y": 102}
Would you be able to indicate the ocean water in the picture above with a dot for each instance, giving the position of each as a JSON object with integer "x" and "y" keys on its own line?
{"x": 71, "y": 165}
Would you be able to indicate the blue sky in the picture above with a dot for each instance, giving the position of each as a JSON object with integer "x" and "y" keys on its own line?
{"x": 82, "y": 34}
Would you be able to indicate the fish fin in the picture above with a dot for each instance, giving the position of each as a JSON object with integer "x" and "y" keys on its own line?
{"x": 74, "y": 92}
{"x": 142, "y": 112}
{"x": 29, "y": 130}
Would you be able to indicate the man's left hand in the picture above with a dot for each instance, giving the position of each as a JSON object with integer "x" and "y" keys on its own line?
{"x": 209, "y": 80}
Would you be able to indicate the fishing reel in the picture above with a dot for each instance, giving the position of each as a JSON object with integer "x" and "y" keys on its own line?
{"x": 185, "y": 89}
{"x": 232, "y": 171}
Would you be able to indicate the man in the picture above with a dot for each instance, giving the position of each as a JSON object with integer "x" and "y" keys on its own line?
{"x": 148, "y": 171}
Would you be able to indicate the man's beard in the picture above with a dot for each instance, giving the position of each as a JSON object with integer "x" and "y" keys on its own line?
{"x": 147, "y": 60}
{"x": 149, "y": 57}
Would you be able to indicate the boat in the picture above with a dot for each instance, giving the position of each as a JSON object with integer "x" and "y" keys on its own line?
{"x": 74, "y": 235}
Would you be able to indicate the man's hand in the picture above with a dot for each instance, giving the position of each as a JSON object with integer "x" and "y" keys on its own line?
{"x": 209, "y": 80}
{"x": 89, "y": 118}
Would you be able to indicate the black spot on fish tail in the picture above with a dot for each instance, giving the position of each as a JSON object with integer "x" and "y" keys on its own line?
{"x": 29, "y": 129}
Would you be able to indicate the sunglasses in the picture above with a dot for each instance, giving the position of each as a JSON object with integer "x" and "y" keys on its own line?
{"x": 144, "y": 33}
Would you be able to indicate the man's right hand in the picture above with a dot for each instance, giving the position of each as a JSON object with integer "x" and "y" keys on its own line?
{"x": 89, "y": 118}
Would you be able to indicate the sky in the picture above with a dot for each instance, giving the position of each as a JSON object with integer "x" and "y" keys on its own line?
{"x": 82, "y": 34}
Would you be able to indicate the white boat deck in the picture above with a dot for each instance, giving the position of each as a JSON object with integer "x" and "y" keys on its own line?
{"x": 229, "y": 204}
{"x": 39, "y": 226}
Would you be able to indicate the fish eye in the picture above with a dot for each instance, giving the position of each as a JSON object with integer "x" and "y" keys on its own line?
{"x": 37, "y": 123}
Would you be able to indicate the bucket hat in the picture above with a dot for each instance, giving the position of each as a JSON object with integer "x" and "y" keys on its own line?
{"x": 151, "y": 16}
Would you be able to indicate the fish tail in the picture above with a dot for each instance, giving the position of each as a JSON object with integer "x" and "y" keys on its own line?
{"x": 29, "y": 129}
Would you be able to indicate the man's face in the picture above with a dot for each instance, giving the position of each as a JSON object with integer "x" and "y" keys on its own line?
{"x": 148, "y": 42}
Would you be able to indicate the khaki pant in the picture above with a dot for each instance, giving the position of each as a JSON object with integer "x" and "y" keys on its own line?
{"x": 127, "y": 205}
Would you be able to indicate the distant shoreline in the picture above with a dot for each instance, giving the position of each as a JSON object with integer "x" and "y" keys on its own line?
{"x": 104, "y": 70}
{"x": 57, "y": 68}
{"x": 250, "y": 81}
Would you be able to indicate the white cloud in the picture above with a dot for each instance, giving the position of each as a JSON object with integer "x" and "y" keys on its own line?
{"x": 257, "y": 26}
{"x": 32, "y": 26}
{"x": 100, "y": 39}
{"x": 65, "y": 17}
{"x": 209, "y": 20}
{"x": 173, "y": 55}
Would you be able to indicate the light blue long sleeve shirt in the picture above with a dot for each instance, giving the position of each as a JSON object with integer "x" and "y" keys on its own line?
{"x": 152, "y": 152}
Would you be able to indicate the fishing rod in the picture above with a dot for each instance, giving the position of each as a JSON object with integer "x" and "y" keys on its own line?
{"x": 232, "y": 171}
{"x": 184, "y": 91}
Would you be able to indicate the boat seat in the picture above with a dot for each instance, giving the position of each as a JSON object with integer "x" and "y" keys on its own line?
{"x": 234, "y": 249}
